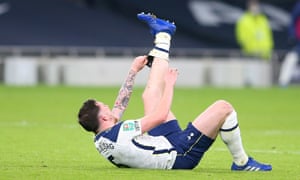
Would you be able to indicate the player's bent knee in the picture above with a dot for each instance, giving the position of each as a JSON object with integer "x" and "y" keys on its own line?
{"x": 224, "y": 107}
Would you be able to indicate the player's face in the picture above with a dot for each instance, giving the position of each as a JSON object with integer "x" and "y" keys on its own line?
{"x": 103, "y": 108}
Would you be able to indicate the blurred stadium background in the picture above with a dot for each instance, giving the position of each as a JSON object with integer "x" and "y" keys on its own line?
{"x": 92, "y": 43}
{"x": 89, "y": 42}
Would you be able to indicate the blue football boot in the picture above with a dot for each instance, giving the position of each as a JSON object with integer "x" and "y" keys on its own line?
{"x": 157, "y": 25}
{"x": 252, "y": 165}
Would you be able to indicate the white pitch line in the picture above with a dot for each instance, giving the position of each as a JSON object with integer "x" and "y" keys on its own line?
{"x": 27, "y": 124}
{"x": 280, "y": 132}
{"x": 262, "y": 151}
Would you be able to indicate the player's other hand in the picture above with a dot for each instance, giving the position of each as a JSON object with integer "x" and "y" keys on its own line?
{"x": 171, "y": 76}
{"x": 139, "y": 63}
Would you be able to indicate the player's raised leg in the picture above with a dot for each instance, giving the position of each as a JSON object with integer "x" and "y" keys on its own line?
{"x": 221, "y": 118}
{"x": 155, "y": 85}
{"x": 158, "y": 59}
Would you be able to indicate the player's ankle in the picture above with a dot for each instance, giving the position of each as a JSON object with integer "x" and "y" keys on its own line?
{"x": 162, "y": 46}
{"x": 242, "y": 160}
{"x": 159, "y": 54}
{"x": 163, "y": 41}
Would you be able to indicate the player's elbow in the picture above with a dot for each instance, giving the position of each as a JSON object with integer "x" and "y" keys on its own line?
{"x": 151, "y": 121}
{"x": 160, "y": 117}
{"x": 164, "y": 116}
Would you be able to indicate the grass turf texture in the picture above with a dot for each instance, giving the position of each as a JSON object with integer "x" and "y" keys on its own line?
{"x": 40, "y": 137}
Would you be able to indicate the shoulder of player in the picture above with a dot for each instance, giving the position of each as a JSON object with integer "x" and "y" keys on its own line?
{"x": 110, "y": 133}
{"x": 128, "y": 126}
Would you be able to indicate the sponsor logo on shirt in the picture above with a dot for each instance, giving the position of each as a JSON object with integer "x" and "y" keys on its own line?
{"x": 129, "y": 126}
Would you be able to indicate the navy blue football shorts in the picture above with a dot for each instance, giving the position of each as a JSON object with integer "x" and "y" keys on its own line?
{"x": 190, "y": 143}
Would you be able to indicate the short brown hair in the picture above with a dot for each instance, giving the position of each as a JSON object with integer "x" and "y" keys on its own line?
{"x": 88, "y": 115}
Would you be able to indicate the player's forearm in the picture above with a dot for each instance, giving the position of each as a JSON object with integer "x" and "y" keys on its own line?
{"x": 124, "y": 94}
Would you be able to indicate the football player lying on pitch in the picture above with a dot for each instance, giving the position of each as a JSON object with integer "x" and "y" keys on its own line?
{"x": 156, "y": 141}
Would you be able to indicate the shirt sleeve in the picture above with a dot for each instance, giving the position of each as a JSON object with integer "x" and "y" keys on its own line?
{"x": 130, "y": 129}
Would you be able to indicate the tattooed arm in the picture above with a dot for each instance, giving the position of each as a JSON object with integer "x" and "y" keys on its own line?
{"x": 127, "y": 87}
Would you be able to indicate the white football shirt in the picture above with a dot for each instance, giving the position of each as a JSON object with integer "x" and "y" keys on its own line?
{"x": 125, "y": 146}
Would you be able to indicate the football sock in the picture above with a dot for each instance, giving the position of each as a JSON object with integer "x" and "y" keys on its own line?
{"x": 231, "y": 136}
{"x": 161, "y": 46}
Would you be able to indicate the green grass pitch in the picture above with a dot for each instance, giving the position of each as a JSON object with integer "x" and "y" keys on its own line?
{"x": 40, "y": 137}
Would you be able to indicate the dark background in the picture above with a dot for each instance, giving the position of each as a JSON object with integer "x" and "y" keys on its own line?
{"x": 113, "y": 23}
